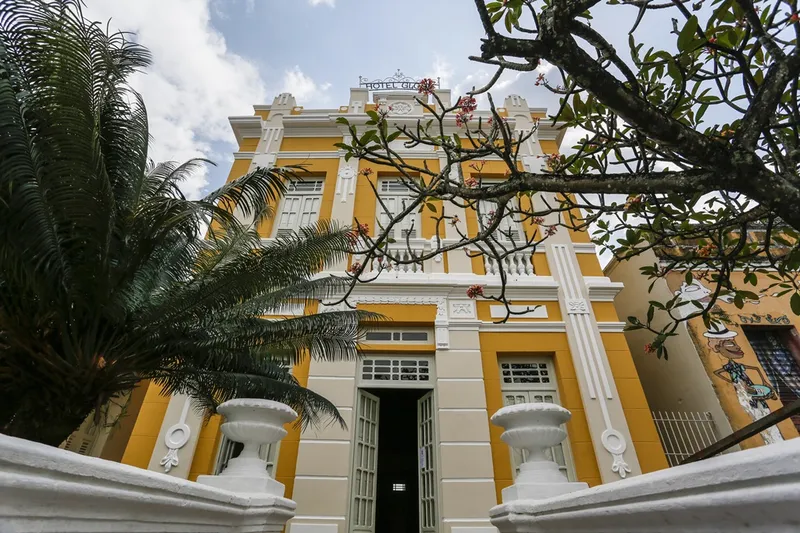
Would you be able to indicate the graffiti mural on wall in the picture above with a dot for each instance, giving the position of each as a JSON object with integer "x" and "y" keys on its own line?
{"x": 752, "y": 396}
{"x": 765, "y": 319}
{"x": 697, "y": 292}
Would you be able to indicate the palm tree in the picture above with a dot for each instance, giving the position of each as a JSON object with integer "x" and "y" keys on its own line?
{"x": 109, "y": 275}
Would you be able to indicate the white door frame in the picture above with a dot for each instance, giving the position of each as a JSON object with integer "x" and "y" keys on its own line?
{"x": 427, "y": 386}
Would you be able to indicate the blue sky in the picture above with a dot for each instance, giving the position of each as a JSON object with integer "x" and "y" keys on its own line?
{"x": 216, "y": 58}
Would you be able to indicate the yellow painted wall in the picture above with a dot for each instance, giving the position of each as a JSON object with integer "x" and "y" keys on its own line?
{"x": 495, "y": 345}
{"x": 605, "y": 312}
{"x": 403, "y": 315}
{"x": 205, "y": 455}
{"x": 634, "y": 404}
{"x": 287, "y": 453}
{"x": 310, "y": 144}
{"x": 145, "y": 431}
{"x": 589, "y": 264}
{"x": 249, "y": 144}
{"x": 540, "y": 265}
{"x": 779, "y": 310}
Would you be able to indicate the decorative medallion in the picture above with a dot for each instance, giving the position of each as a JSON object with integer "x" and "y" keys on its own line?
{"x": 401, "y": 108}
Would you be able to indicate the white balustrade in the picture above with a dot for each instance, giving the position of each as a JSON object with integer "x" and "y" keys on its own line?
{"x": 752, "y": 490}
{"x": 44, "y": 489}
{"x": 405, "y": 256}
{"x": 516, "y": 264}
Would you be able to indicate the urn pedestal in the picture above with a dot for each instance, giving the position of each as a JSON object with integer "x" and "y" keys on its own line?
{"x": 252, "y": 422}
{"x": 535, "y": 427}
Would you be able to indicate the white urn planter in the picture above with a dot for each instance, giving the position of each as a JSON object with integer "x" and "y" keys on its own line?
{"x": 535, "y": 427}
{"x": 252, "y": 422}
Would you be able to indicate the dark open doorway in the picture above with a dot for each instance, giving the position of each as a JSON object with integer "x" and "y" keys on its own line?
{"x": 397, "y": 495}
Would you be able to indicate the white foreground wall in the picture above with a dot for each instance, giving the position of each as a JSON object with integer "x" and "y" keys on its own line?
{"x": 45, "y": 489}
{"x": 756, "y": 490}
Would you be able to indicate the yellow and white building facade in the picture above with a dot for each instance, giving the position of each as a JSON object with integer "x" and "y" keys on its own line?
{"x": 419, "y": 451}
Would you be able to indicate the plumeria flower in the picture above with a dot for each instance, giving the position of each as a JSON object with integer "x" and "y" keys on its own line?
{"x": 649, "y": 348}
{"x": 467, "y": 104}
{"x": 366, "y": 172}
{"x": 355, "y": 267}
{"x": 474, "y": 291}
{"x": 454, "y": 220}
{"x": 550, "y": 231}
{"x": 794, "y": 18}
{"x": 537, "y": 220}
{"x": 540, "y": 79}
{"x": 471, "y": 182}
{"x": 363, "y": 229}
{"x": 427, "y": 86}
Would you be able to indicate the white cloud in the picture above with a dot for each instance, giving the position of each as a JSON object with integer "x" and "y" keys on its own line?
{"x": 195, "y": 82}
{"x": 443, "y": 70}
{"x": 478, "y": 80}
{"x": 307, "y": 92}
{"x": 331, "y": 3}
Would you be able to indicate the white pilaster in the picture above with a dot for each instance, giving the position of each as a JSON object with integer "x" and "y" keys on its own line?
{"x": 465, "y": 456}
{"x": 608, "y": 427}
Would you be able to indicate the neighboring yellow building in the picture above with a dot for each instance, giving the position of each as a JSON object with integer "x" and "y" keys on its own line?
{"x": 719, "y": 379}
{"x": 419, "y": 447}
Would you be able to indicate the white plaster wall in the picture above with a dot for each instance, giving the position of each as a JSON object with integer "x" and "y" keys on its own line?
{"x": 49, "y": 490}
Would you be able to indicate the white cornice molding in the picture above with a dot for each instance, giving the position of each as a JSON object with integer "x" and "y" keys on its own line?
{"x": 522, "y": 327}
{"x": 611, "y": 327}
{"x": 330, "y": 154}
{"x": 246, "y": 127}
{"x": 525, "y": 288}
{"x": 583, "y": 248}
{"x": 243, "y": 155}
{"x": 602, "y": 289}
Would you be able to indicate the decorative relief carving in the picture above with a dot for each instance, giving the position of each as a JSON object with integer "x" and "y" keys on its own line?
{"x": 176, "y": 438}
{"x": 577, "y": 306}
{"x": 401, "y": 108}
{"x": 345, "y": 184}
{"x": 614, "y": 442}
{"x": 462, "y": 309}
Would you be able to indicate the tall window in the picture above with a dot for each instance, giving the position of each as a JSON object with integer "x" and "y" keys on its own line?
{"x": 778, "y": 352}
{"x": 300, "y": 206}
{"x": 509, "y": 226}
{"x": 532, "y": 380}
{"x": 396, "y": 197}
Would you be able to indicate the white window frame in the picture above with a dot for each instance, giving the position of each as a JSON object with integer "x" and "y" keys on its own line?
{"x": 397, "y": 335}
{"x": 529, "y": 391}
{"x": 367, "y": 365}
{"x": 392, "y": 199}
{"x": 509, "y": 223}
{"x": 305, "y": 198}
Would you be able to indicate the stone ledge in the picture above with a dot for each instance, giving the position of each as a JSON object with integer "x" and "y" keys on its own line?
{"x": 45, "y": 489}
{"x": 752, "y": 490}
